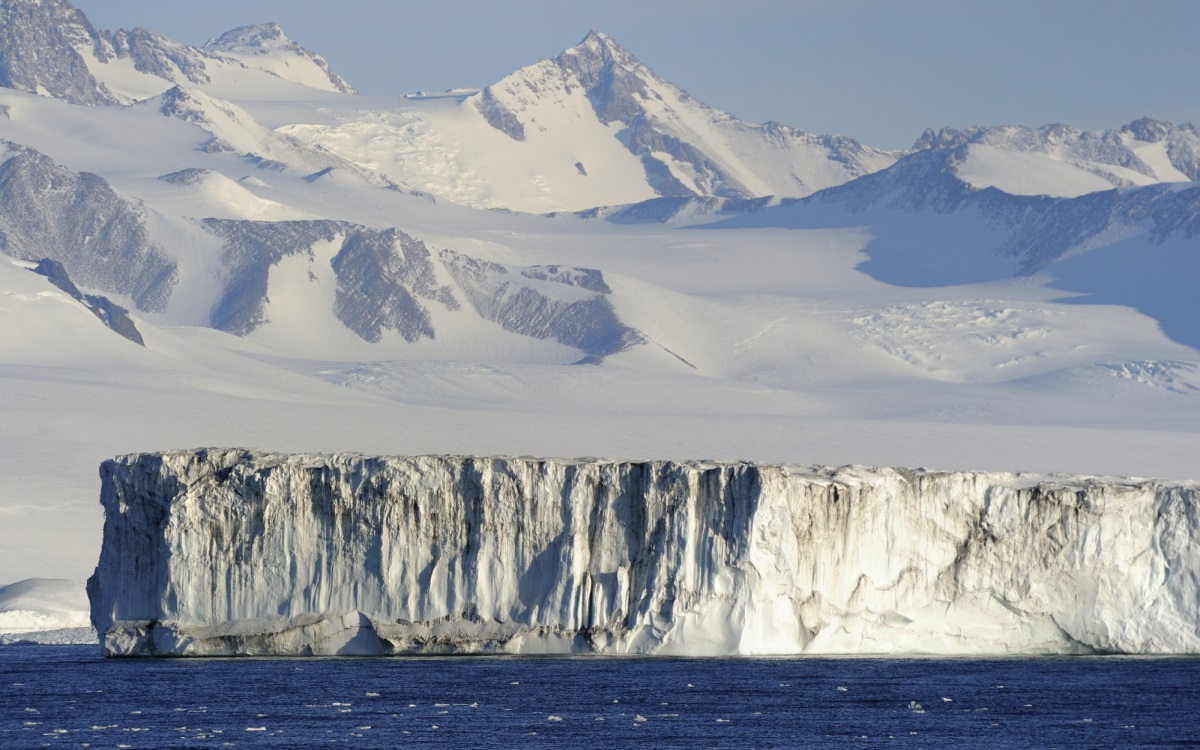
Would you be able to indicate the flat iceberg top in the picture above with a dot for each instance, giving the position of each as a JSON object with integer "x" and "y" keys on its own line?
{"x": 848, "y": 474}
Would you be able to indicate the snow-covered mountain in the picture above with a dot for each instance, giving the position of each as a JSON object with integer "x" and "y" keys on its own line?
{"x": 49, "y": 47}
{"x": 686, "y": 148}
{"x": 931, "y": 227}
{"x": 593, "y": 126}
{"x": 1063, "y": 162}
{"x": 311, "y": 270}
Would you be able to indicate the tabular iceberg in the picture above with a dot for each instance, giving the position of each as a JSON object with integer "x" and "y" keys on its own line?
{"x": 222, "y": 552}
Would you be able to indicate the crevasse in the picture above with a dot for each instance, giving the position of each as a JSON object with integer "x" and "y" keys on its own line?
{"x": 219, "y": 552}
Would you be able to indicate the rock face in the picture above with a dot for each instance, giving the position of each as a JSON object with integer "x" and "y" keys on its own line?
{"x": 110, "y": 314}
{"x": 49, "y": 47}
{"x": 387, "y": 280}
{"x": 42, "y": 48}
{"x": 568, "y": 305}
{"x": 218, "y": 552}
{"x": 76, "y": 218}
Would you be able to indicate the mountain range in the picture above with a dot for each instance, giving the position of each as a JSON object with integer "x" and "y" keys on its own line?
{"x": 227, "y": 244}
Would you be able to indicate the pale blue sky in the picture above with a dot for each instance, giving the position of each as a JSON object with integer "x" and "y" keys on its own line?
{"x": 877, "y": 70}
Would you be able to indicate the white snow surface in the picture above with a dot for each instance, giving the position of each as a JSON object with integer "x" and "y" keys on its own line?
{"x": 1062, "y": 162}
{"x": 45, "y": 611}
{"x": 1025, "y": 173}
{"x": 231, "y": 552}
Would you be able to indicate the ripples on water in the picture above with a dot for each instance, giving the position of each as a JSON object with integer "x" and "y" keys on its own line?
{"x": 55, "y": 696}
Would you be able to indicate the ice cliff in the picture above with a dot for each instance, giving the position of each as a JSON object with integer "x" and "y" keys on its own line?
{"x": 221, "y": 551}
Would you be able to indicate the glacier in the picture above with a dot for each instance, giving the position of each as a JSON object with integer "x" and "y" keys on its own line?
{"x": 237, "y": 552}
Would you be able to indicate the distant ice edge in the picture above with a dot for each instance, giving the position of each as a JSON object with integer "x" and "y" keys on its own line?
{"x": 235, "y": 552}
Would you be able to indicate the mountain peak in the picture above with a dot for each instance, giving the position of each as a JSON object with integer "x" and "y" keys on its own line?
{"x": 685, "y": 148}
{"x": 597, "y": 38}
{"x": 263, "y": 36}
{"x": 40, "y": 43}
{"x": 1149, "y": 130}
{"x": 265, "y": 40}
{"x": 613, "y": 78}
{"x": 595, "y": 51}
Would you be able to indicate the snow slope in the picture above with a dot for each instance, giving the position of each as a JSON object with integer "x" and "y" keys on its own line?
{"x": 1063, "y": 162}
{"x": 929, "y": 227}
{"x": 45, "y": 610}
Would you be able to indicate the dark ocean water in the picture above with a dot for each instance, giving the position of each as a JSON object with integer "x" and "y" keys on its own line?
{"x": 69, "y": 696}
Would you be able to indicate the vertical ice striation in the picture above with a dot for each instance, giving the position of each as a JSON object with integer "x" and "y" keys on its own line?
{"x": 239, "y": 552}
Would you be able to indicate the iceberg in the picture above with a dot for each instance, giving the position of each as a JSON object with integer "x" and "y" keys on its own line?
{"x": 240, "y": 552}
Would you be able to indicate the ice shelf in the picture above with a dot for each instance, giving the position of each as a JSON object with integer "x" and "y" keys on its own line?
{"x": 239, "y": 552}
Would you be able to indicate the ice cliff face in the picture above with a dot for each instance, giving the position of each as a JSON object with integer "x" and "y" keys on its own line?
{"x": 235, "y": 552}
